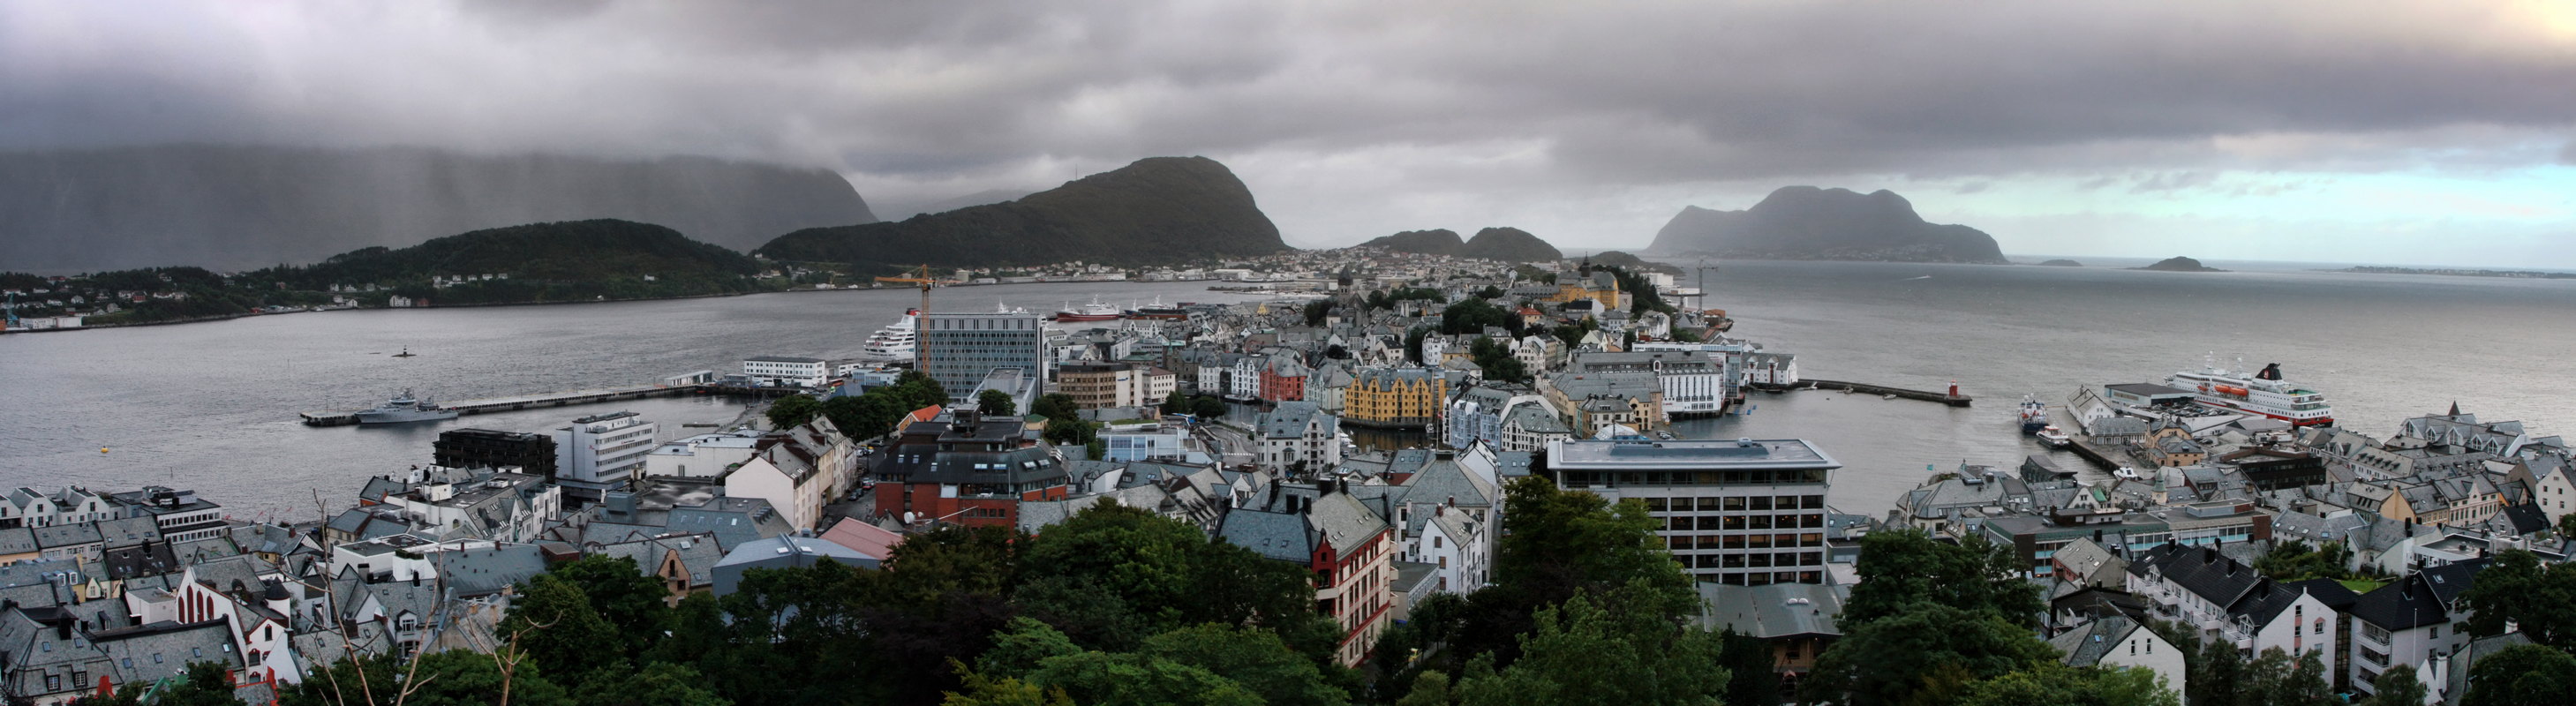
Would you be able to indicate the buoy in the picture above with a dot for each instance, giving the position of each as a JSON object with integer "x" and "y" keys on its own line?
{"x": 102, "y": 449}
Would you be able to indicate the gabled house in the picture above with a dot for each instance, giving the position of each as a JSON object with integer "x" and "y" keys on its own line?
{"x": 2229, "y": 602}
{"x": 1348, "y": 547}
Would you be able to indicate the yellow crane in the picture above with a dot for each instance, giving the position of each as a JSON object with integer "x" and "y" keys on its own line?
{"x": 920, "y": 276}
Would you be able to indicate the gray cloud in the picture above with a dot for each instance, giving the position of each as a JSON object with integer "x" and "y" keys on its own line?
{"x": 1432, "y": 100}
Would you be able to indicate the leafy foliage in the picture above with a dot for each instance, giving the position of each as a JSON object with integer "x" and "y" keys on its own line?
{"x": 1618, "y": 649}
{"x": 2294, "y": 560}
{"x": 793, "y": 410}
{"x": 995, "y": 403}
{"x": 1923, "y": 646}
{"x": 2521, "y": 675}
{"x": 1902, "y": 567}
{"x": 2396, "y": 687}
{"x": 1472, "y": 315}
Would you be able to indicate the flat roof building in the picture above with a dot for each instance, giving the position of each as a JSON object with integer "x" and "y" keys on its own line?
{"x": 1747, "y": 512}
{"x": 959, "y": 350}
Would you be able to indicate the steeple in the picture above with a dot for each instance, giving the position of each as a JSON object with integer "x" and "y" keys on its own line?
{"x": 2455, "y": 408}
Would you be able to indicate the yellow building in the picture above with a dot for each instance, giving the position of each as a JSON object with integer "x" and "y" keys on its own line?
{"x": 1392, "y": 397}
{"x": 1600, "y": 287}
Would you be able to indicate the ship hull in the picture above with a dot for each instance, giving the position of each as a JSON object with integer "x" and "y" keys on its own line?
{"x": 403, "y": 417}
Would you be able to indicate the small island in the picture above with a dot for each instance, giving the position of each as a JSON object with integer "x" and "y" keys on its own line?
{"x": 2063, "y": 263}
{"x": 2179, "y": 264}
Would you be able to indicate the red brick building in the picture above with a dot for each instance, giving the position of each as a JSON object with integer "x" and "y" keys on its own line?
{"x": 967, "y": 470}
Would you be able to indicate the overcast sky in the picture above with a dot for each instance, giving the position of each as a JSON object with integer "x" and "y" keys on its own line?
{"x": 2436, "y": 132}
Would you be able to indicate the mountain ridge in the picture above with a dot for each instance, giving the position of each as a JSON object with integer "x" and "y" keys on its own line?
{"x": 1811, "y": 223}
{"x": 1498, "y": 243}
{"x": 1155, "y": 210}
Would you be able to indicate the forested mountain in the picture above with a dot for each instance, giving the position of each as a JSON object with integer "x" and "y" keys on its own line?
{"x": 1507, "y": 244}
{"x": 1157, "y": 210}
{"x": 232, "y": 207}
{"x": 1808, "y": 223}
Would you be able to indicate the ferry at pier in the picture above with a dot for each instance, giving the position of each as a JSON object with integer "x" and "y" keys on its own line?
{"x": 2263, "y": 392}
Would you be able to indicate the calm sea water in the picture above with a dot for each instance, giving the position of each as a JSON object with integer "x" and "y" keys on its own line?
{"x": 212, "y": 406}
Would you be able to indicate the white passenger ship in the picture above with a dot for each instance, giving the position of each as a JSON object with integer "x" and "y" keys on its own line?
{"x": 2263, "y": 393}
{"x": 894, "y": 342}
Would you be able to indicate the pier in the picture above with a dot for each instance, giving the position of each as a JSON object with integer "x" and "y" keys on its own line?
{"x": 1869, "y": 389}
{"x": 345, "y": 417}
{"x": 2078, "y": 441}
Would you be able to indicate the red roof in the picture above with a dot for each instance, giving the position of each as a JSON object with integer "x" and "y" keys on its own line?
{"x": 864, "y": 538}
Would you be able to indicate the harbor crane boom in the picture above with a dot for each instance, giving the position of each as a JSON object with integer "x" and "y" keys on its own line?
{"x": 920, "y": 276}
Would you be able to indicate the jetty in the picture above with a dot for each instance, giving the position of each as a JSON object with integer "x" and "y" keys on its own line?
{"x": 1951, "y": 398}
{"x": 345, "y": 417}
{"x": 2078, "y": 441}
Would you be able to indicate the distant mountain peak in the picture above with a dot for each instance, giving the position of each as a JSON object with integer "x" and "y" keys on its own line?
{"x": 1814, "y": 223}
{"x": 1155, "y": 210}
{"x": 1500, "y": 243}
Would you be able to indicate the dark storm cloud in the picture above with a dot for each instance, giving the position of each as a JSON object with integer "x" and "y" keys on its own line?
{"x": 1616, "y": 93}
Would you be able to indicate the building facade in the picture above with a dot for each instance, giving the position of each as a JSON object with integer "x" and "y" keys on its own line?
{"x": 600, "y": 453}
{"x": 958, "y": 350}
{"x": 787, "y": 371}
{"x": 1742, "y": 512}
{"x": 1395, "y": 397}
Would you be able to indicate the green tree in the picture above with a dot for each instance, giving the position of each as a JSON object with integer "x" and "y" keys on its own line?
{"x": 1429, "y": 689}
{"x": 995, "y": 403}
{"x": 1903, "y": 567}
{"x": 2221, "y": 679}
{"x": 792, "y": 410}
{"x": 2521, "y": 675}
{"x": 1924, "y": 647}
{"x": 1316, "y": 311}
{"x": 2057, "y": 685}
{"x": 560, "y": 631}
{"x": 2294, "y": 560}
{"x": 1490, "y": 292}
{"x": 660, "y": 684}
{"x": 451, "y": 678}
{"x": 1619, "y": 650}
{"x": 1172, "y": 575}
{"x": 2396, "y": 687}
{"x": 1256, "y": 658}
{"x": 1124, "y": 678}
{"x": 635, "y": 604}
{"x": 1207, "y": 407}
{"x": 1054, "y": 406}
{"x": 1473, "y": 315}
{"x": 2277, "y": 679}
{"x": 2567, "y": 525}
{"x": 1749, "y": 661}
{"x": 984, "y": 690}
{"x": 2516, "y": 589}
{"x": 206, "y": 684}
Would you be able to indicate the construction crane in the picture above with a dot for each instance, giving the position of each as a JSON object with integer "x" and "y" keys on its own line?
{"x": 920, "y": 276}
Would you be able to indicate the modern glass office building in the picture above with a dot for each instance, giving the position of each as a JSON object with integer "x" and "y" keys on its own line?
{"x": 958, "y": 350}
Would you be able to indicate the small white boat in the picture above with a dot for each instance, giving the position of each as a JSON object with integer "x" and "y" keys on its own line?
{"x": 2052, "y": 437}
{"x": 2127, "y": 473}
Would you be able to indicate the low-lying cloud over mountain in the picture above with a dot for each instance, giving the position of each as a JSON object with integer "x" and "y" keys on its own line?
{"x": 1590, "y": 122}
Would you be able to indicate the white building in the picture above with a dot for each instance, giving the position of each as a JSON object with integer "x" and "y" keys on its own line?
{"x": 2116, "y": 641}
{"x": 1694, "y": 382}
{"x": 701, "y": 456}
{"x": 795, "y": 487}
{"x": 1743, "y": 512}
{"x": 600, "y": 453}
{"x": 2232, "y": 603}
{"x": 787, "y": 371}
{"x": 1770, "y": 368}
{"x": 1298, "y": 432}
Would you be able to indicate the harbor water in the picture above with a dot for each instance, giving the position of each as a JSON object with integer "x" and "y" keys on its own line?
{"x": 213, "y": 406}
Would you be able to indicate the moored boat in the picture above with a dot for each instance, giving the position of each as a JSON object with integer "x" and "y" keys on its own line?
{"x": 1094, "y": 311}
{"x": 404, "y": 409}
{"x": 2052, "y": 437}
{"x": 2263, "y": 393}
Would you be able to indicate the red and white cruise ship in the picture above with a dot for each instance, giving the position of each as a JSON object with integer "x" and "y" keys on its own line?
{"x": 2263, "y": 393}
{"x": 1094, "y": 311}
